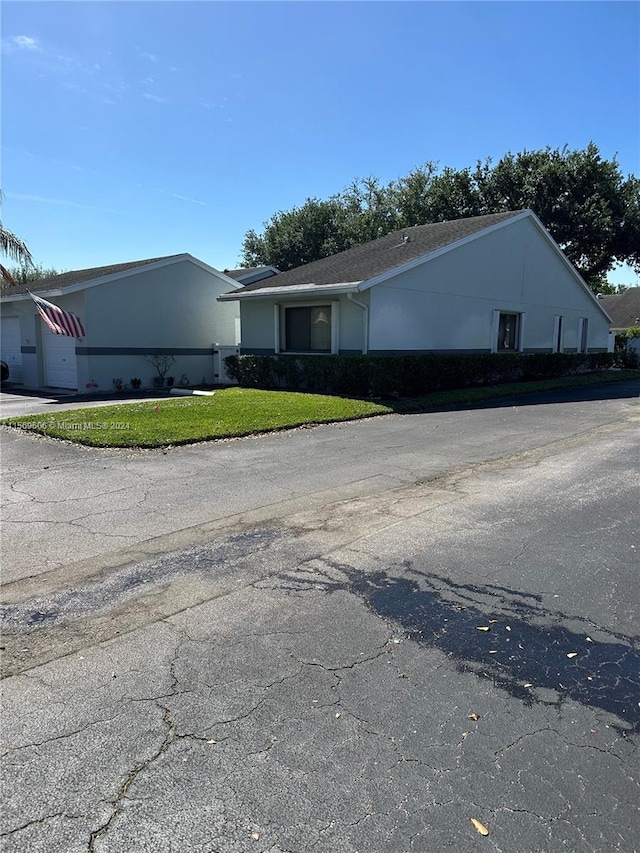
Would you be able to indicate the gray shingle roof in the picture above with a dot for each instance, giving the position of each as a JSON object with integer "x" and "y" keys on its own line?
{"x": 239, "y": 273}
{"x": 623, "y": 308}
{"x": 370, "y": 259}
{"x": 66, "y": 279}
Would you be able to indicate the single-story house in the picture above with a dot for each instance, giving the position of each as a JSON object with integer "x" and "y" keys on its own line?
{"x": 495, "y": 283}
{"x": 624, "y": 310}
{"x": 130, "y": 312}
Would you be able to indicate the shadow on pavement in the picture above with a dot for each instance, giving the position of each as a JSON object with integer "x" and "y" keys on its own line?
{"x": 502, "y": 635}
{"x": 617, "y": 390}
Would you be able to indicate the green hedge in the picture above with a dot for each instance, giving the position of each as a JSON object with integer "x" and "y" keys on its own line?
{"x": 403, "y": 375}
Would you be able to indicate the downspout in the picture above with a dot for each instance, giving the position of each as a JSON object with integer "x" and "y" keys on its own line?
{"x": 365, "y": 320}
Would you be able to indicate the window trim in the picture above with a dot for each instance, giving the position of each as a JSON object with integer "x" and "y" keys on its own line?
{"x": 495, "y": 328}
{"x": 583, "y": 335}
{"x": 558, "y": 333}
{"x": 280, "y": 326}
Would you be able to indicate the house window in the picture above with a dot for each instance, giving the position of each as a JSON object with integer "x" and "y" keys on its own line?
{"x": 558, "y": 333}
{"x": 584, "y": 334}
{"x": 308, "y": 329}
{"x": 508, "y": 332}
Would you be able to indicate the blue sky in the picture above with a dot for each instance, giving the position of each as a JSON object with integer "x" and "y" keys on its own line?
{"x": 139, "y": 129}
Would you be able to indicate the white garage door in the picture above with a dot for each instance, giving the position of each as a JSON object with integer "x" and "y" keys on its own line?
{"x": 61, "y": 368}
{"x": 10, "y": 346}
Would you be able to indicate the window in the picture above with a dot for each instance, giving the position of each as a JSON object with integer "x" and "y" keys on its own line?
{"x": 558, "y": 333}
{"x": 583, "y": 334}
{"x": 508, "y": 332}
{"x": 308, "y": 329}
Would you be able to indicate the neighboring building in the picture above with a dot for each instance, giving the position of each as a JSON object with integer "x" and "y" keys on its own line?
{"x": 496, "y": 283}
{"x": 624, "y": 310}
{"x": 129, "y": 311}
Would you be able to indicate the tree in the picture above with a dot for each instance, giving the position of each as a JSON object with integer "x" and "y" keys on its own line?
{"x": 11, "y": 246}
{"x": 298, "y": 236}
{"x": 583, "y": 200}
{"x": 36, "y": 272}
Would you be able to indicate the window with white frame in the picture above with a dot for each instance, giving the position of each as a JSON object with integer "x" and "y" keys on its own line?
{"x": 508, "y": 332}
{"x": 307, "y": 328}
{"x": 558, "y": 334}
{"x": 583, "y": 334}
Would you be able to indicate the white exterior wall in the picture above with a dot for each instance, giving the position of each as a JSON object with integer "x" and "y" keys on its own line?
{"x": 170, "y": 307}
{"x": 449, "y": 302}
{"x": 257, "y": 326}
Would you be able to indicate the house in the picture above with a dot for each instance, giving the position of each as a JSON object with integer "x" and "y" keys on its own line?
{"x": 624, "y": 310}
{"x": 130, "y": 312}
{"x": 495, "y": 283}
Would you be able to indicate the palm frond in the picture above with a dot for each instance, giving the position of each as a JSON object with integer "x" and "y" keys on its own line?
{"x": 14, "y": 247}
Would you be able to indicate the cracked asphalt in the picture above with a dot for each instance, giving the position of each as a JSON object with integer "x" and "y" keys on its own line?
{"x": 351, "y": 638}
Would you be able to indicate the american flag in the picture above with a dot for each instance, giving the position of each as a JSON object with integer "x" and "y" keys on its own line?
{"x": 60, "y": 322}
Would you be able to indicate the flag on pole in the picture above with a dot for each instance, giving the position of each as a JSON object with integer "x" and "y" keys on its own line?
{"x": 60, "y": 322}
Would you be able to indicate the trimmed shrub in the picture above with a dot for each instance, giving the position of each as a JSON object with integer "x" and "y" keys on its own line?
{"x": 403, "y": 375}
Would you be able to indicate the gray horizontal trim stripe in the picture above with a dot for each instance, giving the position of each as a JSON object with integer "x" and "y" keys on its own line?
{"x": 256, "y": 351}
{"x": 598, "y": 349}
{"x": 144, "y": 350}
{"x": 534, "y": 350}
{"x": 29, "y": 350}
{"x": 350, "y": 352}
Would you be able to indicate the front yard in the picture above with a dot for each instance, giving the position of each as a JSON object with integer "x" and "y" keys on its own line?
{"x": 235, "y": 412}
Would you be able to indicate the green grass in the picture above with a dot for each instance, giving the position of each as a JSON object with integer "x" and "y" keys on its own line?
{"x": 228, "y": 413}
{"x": 236, "y": 412}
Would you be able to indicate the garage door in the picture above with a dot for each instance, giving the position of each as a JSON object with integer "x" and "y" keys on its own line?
{"x": 10, "y": 347}
{"x": 61, "y": 369}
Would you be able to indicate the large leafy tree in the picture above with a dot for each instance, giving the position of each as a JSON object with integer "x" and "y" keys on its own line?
{"x": 585, "y": 202}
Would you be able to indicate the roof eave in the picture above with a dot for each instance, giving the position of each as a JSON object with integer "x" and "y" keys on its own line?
{"x": 293, "y": 290}
{"x": 106, "y": 279}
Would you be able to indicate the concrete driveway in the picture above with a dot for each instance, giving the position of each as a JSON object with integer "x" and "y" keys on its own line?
{"x": 16, "y": 401}
{"x": 348, "y": 638}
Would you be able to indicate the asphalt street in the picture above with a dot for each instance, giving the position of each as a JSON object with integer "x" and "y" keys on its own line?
{"x": 356, "y": 637}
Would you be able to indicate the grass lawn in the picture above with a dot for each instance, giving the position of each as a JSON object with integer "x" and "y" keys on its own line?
{"x": 182, "y": 420}
{"x": 243, "y": 411}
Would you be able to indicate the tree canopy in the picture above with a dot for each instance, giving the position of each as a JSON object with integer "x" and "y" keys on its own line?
{"x": 585, "y": 202}
{"x": 27, "y": 273}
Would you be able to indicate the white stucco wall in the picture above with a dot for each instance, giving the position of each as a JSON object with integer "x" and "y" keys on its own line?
{"x": 257, "y": 326}
{"x": 449, "y": 302}
{"x": 170, "y": 307}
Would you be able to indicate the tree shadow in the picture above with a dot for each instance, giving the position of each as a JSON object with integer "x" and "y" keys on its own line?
{"x": 503, "y": 635}
{"x": 624, "y": 389}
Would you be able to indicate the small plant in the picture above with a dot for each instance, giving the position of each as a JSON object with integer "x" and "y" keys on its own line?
{"x": 136, "y": 383}
{"x": 162, "y": 363}
{"x": 170, "y": 381}
{"x": 117, "y": 383}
